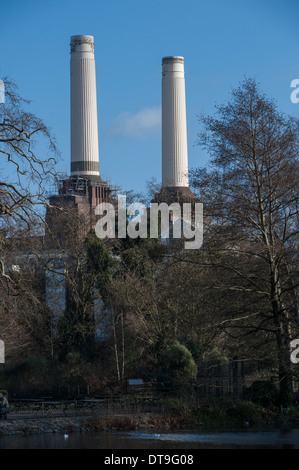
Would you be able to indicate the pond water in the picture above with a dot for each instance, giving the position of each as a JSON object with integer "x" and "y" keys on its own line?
{"x": 230, "y": 439}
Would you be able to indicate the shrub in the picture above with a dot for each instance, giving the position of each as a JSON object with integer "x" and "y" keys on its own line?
{"x": 262, "y": 392}
{"x": 181, "y": 361}
{"x": 246, "y": 411}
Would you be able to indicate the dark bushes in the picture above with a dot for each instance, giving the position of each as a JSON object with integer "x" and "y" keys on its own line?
{"x": 262, "y": 392}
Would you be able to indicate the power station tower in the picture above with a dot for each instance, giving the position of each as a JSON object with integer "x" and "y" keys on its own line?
{"x": 175, "y": 180}
{"x": 84, "y": 189}
{"x": 174, "y": 124}
{"x": 84, "y": 116}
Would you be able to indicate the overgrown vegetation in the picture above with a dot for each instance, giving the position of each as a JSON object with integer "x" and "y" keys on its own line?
{"x": 191, "y": 323}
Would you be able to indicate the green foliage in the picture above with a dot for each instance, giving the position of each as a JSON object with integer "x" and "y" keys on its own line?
{"x": 72, "y": 367}
{"x": 262, "y": 392}
{"x": 214, "y": 356}
{"x": 291, "y": 413}
{"x": 142, "y": 256}
{"x": 76, "y": 329}
{"x": 195, "y": 348}
{"x": 246, "y": 412}
{"x": 214, "y": 362}
{"x": 137, "y": 261}
{"x": 101, "y": 264}
{"x": 209, "y": 417}
{"x": 241, "y": 413}
{"x": 180, "y": 361}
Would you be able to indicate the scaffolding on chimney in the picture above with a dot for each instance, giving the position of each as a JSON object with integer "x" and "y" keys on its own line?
{"x": 78, "y": 186}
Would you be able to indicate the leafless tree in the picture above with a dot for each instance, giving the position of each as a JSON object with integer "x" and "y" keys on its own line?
{"x": 24, "y": 172}
{"x": 250, "y": 194}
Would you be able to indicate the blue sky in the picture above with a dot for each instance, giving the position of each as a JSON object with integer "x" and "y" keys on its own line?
{"x": 221, "y": 42}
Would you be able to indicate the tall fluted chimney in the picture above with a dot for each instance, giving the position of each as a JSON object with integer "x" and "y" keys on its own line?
{"x": 174, "y": 127}
{"x": 84, "y": 121}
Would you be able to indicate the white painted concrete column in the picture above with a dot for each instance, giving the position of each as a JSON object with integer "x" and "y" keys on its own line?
{"x": 84, "y": 120}
{"x": 174, "y": 125}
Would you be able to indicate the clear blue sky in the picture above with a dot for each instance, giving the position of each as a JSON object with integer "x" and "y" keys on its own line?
{"x": 221, "y": 42}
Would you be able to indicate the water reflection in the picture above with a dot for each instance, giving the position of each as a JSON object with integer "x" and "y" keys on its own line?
{"x": 229, "y": 439}
{"x": 244, "y": 439}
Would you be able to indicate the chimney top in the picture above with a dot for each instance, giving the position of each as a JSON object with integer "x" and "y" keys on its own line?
{"x": 82, "y": 42}
{"x": 172, "y": 59}
{"x": 82, "y": 38}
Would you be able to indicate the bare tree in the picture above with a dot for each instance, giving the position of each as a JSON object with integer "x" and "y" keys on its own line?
{"x": 24, "y": 173}
{"x": 251, "y": 196}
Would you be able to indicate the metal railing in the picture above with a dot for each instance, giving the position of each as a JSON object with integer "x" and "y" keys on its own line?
{"x": 45, "y": 408}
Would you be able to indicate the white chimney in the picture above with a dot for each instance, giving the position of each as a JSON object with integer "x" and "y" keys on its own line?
{"x": 174, "y": 127}
{"x": 84, "y": 120}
